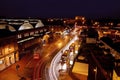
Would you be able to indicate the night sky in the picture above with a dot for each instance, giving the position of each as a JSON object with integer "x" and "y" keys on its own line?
{"x": 59, "y": 8}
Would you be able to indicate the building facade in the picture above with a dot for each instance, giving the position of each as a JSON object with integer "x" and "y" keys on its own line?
{"x": 8, "y": 51}
{"x": 28, "y": 35}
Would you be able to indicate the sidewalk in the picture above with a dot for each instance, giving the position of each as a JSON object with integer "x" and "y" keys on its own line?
{"x": 11, "y": 73}
{"x": 27, "y": 64}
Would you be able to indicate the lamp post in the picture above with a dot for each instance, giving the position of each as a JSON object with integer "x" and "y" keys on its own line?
{"x": 95, "y": 70}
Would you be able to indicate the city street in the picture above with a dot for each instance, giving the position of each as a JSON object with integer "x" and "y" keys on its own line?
{"x": 11, "y": 73}
{"x": 33, "y": 68}
{"x": 48, "y": 52}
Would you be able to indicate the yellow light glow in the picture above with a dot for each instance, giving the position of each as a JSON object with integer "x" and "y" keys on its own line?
{"x": 59, "y": 44}
{"x": 76, "y": 18}
{"x": 9, "y": 49}
{"x": 83, "y": 18}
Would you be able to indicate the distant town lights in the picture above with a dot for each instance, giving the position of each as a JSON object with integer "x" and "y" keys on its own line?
{"x": 83, "y": 18}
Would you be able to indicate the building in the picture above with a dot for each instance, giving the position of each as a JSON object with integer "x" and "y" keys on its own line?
{"x": 8, "y": 48}
{"x": 92, "y": 36}
{"x": 19, "y": 37}
{"x": 29, "y": 36}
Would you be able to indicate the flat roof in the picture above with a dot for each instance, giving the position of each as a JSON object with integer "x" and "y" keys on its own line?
{"x": 80, "y": 68}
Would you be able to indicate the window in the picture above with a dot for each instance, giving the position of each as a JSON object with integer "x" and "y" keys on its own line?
{"x": 41, "y": 31}
{"x": 31, "y": 33}
{"x": 19, "y": 36}
{"x": 45, "y": 29}
{"x": 36, "y": 31}
{"x": 26, "y": 34}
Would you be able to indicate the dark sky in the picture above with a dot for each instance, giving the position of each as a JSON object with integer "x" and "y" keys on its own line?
{"x": 59, "y": 8}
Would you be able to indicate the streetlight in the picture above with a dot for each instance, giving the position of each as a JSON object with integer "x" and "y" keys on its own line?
{"x": 59, "y": 44}
{"x": 95, "y": 70}
{"x": 52, "y": 29}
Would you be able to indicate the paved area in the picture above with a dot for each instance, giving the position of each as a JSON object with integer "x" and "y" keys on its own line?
{"x": 11, "y": 73}
{"x": 25, "y": 71}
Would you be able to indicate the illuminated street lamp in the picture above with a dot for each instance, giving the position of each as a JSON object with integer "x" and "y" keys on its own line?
{"x": 64, "y": 22}
{"x": 59, "y": 44}
{"x": 95, "y": 70}
{"x": 52, "y": 29}
{"x": 76, "y": 49}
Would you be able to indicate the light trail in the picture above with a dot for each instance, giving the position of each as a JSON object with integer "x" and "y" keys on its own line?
{"x": 53, "y": 72}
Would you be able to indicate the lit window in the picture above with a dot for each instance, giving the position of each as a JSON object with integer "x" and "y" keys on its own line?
{"x": 19, "y": 36}
{"x": 36, "y": 31}
{"x": 26, "y": 34}
{"x": 41, "y": 31}
{"x": 32, "y": 33}
{"x": 45, "y": 29}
